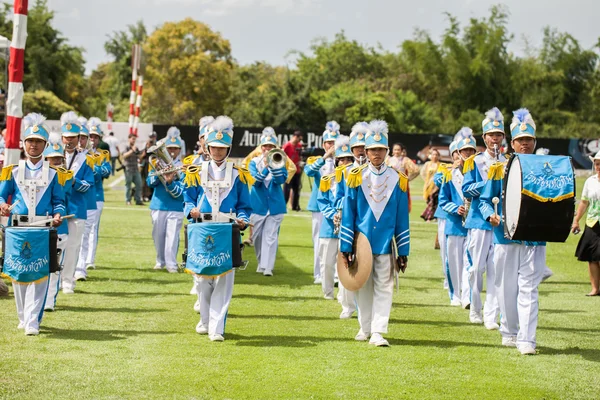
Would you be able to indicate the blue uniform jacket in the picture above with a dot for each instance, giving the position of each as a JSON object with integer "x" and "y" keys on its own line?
{"x": 326, "y": 200}
{"x": 83, "y": 182}
{"x": 450, "y": 200}
{"x": 267, "y": 199}
{"x": 236, "y": 201}
{"x": 315, "y": 170}
{"x": 50, "y": 203}
{"x": 169, "y": 198}
{"x": 357, "y": 215}
{"x": 67, "y": 189}
{"x": 493, "y": 188}
{"x": 438, "y": 179}
{"x": 101, "y": 172}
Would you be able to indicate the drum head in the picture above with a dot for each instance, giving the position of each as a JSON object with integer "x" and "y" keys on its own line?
{"x": 354, "y": 276}
{"x": 512, "y": 196}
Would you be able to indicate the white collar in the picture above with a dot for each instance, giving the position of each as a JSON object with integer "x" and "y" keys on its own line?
{"x": 35, "y": 166}
{"x": 381, "y": 171}
{"x": 215, "y": 167}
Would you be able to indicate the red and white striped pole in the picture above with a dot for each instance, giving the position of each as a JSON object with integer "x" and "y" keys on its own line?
{"x": 109, "y": 116}
{"x": 14, "y": 101}
{"x": 138, "y": 105}
{"x": 132, "y": 98}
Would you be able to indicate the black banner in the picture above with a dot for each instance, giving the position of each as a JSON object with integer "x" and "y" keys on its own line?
{"x": 417, "y": 145}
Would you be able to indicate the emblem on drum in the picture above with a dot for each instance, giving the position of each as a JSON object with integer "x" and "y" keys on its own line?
{"x": 25, "y": 251}
{"x": 209, "y": 244}
{"x": 547, "y": 169}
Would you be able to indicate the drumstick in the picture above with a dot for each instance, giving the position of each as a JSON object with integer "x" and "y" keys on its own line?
{"x": 496, "y": 200}
{"x": 45, "y": 221}
{"x": 234, "y": 219}
{"x": 14, "y": 205}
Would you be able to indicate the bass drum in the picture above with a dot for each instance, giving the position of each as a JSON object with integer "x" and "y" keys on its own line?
{"x": 539, "y": 198}
{"x": 236, "y": 245}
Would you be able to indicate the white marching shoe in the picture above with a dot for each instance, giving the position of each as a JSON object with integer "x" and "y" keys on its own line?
{"x": 201, "y": 329}
{"x": 361, "y": 336}
{"x": 509, "y": 341}
{"x": 90, "y": 266}
{"x": 67, "y": 290}
{"x": 346, "y": 314}
{"x": 318, "y": 280}
{"x": 80, "y": 276}
{"x": 526, "y": 349}
{"x": 466, "y": 305}
{"x": 378, "y": 340}
{"x": 475, "y": 319}
{"x": 32, "y": 332}
{"x": 158, "y": 267}
{"x": 455, "y": 303}
{"x": 21, "y": 325}
{"x": 197, "y": 306}
{"x": 491, "y": 326}
{"x": 216, "y": 338}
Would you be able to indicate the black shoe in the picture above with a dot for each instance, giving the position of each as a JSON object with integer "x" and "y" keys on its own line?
{"x": 139, "y": 203}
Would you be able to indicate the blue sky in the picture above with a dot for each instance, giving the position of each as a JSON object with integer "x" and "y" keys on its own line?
{"x": 266, "y": 30}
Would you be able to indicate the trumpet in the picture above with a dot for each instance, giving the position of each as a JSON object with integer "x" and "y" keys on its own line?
{"x": 162, "y": 162}
{"x": 276, "y": 159}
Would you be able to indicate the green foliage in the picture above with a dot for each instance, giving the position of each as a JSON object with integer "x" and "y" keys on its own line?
{"x": 45, "y": 103}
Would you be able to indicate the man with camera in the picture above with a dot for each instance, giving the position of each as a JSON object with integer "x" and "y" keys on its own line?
{"x": 132, "y": 171}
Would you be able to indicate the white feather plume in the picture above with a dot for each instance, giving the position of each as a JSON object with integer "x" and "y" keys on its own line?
{"x": 522, "y": 116}
{"x": 268, "y": 131}
{"x": 332, "y": 126}
{"x": 94, "y": 121}
{"x": 360, "y": 127}
{"x": 204, "y": 121}
{"x": 379, "y": 126}
{"x": 69, "y": 117}
{"x": 494, "y": 115}
{"x": 33, "y": 119}
{"x": 54, "y": 138}
{"x": 83, "y": 121}
{"x": 222, "y": 124}
{"x": 463, "y": 133}
{"x": 173, "y": 132}
{"x": 341, "y": 141}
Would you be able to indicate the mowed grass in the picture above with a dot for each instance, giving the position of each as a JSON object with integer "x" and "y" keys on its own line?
{"x": 128, "y": 332}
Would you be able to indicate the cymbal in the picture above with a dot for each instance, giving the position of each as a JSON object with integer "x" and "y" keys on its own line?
{"x": 354, "y": 276}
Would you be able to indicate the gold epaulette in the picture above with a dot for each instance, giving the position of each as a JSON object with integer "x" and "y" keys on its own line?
{"x": 245, "y": 176}
{"x": 105, "y": 155}
{"x": 508, "y": 156}
{"x": 6, "y": 172}
{"x": 312, "y": 160}
{"x": 443, "y": 167}
{"x": 355, "y": 176}
{"x": 189, "y": 160}
{"x": 469, "y": 164}
{"x": 496, "y": 171}
{"x": 339, "y": 173}
{"x": 98, "y": 159}
{"x": 63, "y": 175}
{"x": 192, "y": 175}
{"x": 90, "y": 160}
{"x": 447, "y": 175}
{"x": 325, "y": 184}
{"x": 402, "y": 181}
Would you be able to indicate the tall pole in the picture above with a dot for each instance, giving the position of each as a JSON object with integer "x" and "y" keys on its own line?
{"x": 14, "y": 101}
{"x": 109, "y": 116}
{"x": 135, "y": 98}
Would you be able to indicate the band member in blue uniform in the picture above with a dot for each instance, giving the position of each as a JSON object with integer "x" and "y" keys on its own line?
{"x": 102, "y": 170}
{"x": 82, "y": 167}
{"x": 441, "y": 215}
{"x": 315, "y": 168}
{"x": 55, "y": 155}
{"x": 480, "y": 247}
{"x": 328, "y": 237}
{"x": 268, "y": 203}
{"x": 85, "y": 146}
{"x": 218, "y": 192}
{"x": 376, "y": 205}
{"x": 519, "y": 265}
{"x": 166, "y": 208}
{"x": 36, "y": 194}
{"x": 452, "y": 202}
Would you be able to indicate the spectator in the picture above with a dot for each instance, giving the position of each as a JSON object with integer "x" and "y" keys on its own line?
{"x": 588, "y": 248}
{"x": 132, "y": 171}
{"x": 401, "y": 163}
{"x": 430, "y": 190}
{"x": 145, "y": 162}
{"x": 113, "y": 147}
{"x": 293, "y": 149}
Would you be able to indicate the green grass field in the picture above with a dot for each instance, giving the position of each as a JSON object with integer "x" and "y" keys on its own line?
{"x": 128, "y": 332}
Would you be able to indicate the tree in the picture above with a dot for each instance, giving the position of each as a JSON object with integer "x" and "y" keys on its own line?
{"x": 188, "y": 72}
{"x": 45, "y": 103}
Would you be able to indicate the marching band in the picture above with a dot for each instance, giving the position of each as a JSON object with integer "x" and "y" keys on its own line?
{"x": 360, "y": 203}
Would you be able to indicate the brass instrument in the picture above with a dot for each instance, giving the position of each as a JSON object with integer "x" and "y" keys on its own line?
{"x": 276, "y": 159}
{"x": 162, "y": 162}
{"x": 466, "y": 214}
{"x": 337, "y": 222}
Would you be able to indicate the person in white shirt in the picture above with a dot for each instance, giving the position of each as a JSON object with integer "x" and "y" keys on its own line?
{"x": 113, "y": 146}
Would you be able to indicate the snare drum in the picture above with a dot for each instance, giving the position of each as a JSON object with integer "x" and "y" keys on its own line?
{"x": 29, "y": 253}
{"x": 539, "y": 198}
{"x": 212, "y": 248}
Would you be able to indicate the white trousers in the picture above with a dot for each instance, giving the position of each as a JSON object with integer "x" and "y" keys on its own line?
{"x": 519, "y": 271}
{"x": 480, "y": 253}
{"x": 76, "y": 228}
{"x": 442, "y": 239}
{"x": 328, "y": 249}
{"x": 30, "y": 299}
{"x": 215, "y": 297}
{"x": 317, "y": 219}
{"x": 54, "y": 284}
{"x": 85, "y": 243}
{"x": 265, "y": 236}
{"x": 93, "y": 237}
{"x": 346, "y": 298}
{"x": 455, "y": 255}
{"x": 166, "y": 226}
{"x": 375, "y": 297}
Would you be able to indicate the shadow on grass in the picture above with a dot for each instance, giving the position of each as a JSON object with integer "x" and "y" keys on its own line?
{"x": 116, "y": 310}
{"x": 285, "y": 274}
{"x": 276, "y": 298}
{"x": 551, "y": 282}
{"x": 137, "y": 280}
{"x": 134, "y": 294}
{"x": 588, "y": 354}
{"x": 96, "y": 335}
